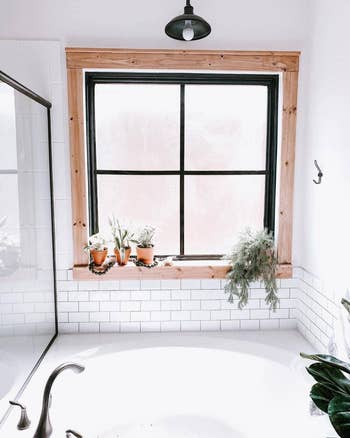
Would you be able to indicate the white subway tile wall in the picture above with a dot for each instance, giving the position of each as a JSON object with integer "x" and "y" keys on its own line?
{"x": 166, "y": 305}
{"x": 316, "y": 309}
{"x": 27, "y": 311}
{"x": 194, "y": 305}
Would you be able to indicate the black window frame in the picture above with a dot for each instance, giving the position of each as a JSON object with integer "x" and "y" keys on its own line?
{"x": 271, "y": 81}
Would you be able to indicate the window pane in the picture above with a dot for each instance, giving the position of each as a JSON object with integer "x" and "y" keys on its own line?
{"x": 218, "y": 208}
{"x": 142, "y": 200}
{"x": 137, "y": 126}
{"x": 225, "y": 127}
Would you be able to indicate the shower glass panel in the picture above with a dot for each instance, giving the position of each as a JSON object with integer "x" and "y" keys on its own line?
{"x": 27, "y": 266}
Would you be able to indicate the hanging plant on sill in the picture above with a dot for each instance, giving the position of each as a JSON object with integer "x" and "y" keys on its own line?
{"x": 252, "y": 259}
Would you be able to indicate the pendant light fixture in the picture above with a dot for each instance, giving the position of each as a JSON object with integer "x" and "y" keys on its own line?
{"x": 187, "y": 27}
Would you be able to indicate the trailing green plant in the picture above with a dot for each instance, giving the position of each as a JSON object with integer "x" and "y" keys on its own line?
{"x": 252, "y": 259}
{"x": 122, "y": 236}
{"x": 146, "y": 236}
{"x": 331, "y": 393}
{"x": 96, "y": 242}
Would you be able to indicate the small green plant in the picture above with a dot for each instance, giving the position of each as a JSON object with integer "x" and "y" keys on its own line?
{"x": 331, "y": 393}
{"x": 122, "y": 236}
{"x": 252, "y": 259}
{"x": 146, "y": 236}
{"x": 96, "y": 242}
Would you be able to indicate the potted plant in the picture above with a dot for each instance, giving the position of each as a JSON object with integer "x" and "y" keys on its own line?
{"x": 252, "y": 259}
{"x": 145, "y": 245}
{"x": 122, "y": 237}
{"x": 97, "y": 246}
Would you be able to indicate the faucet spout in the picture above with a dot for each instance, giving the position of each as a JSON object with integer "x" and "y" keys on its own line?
{"x": 44, "y": 429}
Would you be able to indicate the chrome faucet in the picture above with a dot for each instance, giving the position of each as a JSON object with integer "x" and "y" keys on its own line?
{"x": 44, "y": 429}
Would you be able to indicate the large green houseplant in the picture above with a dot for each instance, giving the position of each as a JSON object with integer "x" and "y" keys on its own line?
{"x": 331, "y": 393}
{"x": 252, "y": 259}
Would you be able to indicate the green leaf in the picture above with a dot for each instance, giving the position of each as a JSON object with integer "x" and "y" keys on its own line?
{"x": 329, "y": 360}
{"x": 321, "y": 396}
{"x": 331, "y": 378}
{"x": 339, "y": 414}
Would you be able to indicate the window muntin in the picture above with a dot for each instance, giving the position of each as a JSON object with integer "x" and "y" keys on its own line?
{"x": 254, "y": 168}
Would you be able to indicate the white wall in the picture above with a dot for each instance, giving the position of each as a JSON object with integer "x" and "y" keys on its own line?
{"x": 322, "y": 213}
{"x": 251, "y": 24}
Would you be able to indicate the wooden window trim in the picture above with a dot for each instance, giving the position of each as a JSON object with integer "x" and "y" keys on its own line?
{"x": 78, "y": 59}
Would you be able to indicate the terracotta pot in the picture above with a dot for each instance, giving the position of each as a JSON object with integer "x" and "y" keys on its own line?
{"x": 98, "y": 256}
{"x": 122, "y": 261}
{"x": 145, "y": 255}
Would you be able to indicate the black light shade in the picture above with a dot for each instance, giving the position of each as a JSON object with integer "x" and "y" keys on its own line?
{"x": 198, "y": 27}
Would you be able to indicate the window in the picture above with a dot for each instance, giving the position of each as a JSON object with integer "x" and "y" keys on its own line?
{"x": 192, "y": 154}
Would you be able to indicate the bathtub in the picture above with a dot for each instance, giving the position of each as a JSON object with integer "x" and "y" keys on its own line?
{"x": 205, "y": 385}
{"x": 9, "y": 371}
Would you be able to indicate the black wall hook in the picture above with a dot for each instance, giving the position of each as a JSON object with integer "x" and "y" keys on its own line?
{"x": 320, "y": 174}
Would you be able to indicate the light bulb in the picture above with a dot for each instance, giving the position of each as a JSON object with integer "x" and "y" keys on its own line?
{"x": 188, "y": 32}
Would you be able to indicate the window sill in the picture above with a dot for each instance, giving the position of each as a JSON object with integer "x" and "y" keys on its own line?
{"x": 180, "y": 269}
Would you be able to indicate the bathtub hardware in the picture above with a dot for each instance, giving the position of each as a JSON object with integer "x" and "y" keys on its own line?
{"x": 320, "y": 174}
{"x": 24, "y": 421}
{"x": 70, "y": 432}
{"x": 44, "y": 429}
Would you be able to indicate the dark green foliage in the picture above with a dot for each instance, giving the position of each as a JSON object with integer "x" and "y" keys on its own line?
{"x": 339, "y": 414}
{"x": 252, "y": 259}
{"x": 329, "y": 377}
{"x": 329, "y": 360}
{"x": 321, "y": 396}
{"x": 331, "y": 393}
